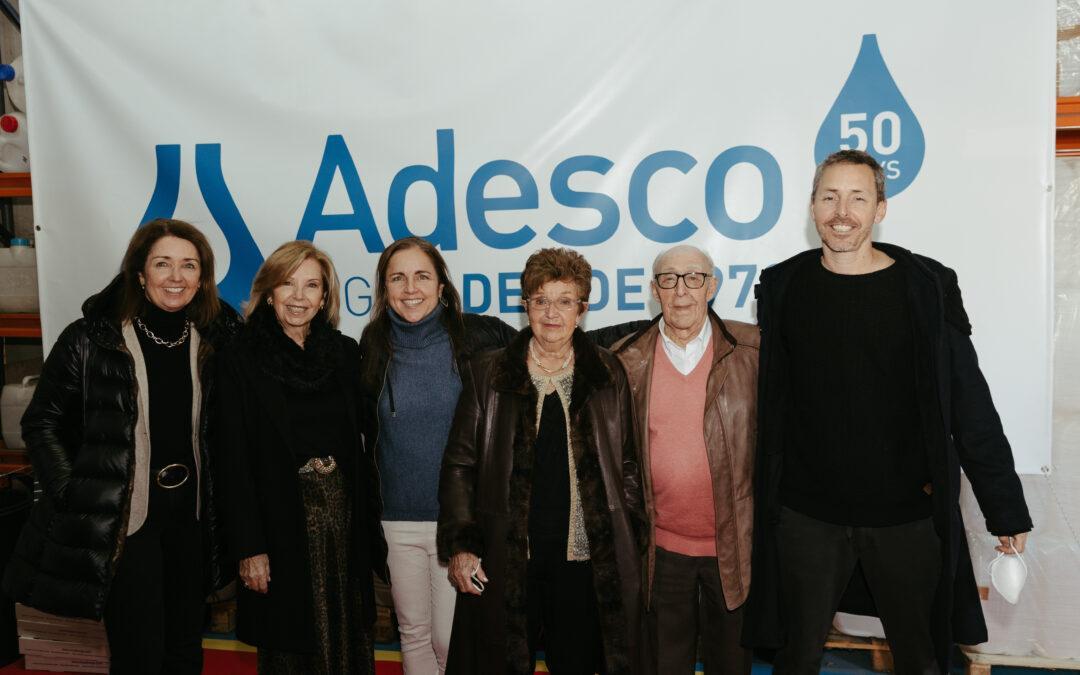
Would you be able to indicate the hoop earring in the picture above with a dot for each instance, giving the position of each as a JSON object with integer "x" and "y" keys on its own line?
{"x": 269, "y": 300}
{"x": 443, "y": 302}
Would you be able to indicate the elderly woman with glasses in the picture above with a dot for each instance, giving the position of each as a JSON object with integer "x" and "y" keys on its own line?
{"x": 540, "y": 499}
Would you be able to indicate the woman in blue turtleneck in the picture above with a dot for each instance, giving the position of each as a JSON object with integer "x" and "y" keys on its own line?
{"x": 412, "y": 348}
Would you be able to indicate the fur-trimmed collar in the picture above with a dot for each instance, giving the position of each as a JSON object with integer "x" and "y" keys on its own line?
{"x": 511, "y": 372}
{"x": 303, "y": 369}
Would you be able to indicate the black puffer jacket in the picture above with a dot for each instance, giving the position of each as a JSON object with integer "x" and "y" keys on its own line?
{"x": 80, "y": 435}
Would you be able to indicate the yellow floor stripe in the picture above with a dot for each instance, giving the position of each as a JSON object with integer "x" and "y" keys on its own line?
{"x": 386, "y": 655}
{"x": 391, "y": 655}
{"x": 226, "y": 645}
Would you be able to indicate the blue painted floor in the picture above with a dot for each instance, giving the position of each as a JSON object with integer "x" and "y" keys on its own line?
{"x": 852, "y": 662}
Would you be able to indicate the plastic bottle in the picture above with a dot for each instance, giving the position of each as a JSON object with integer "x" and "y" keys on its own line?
{"x": 11, "y": 74}
{"x": 21, "y": 253}
{"x": 18, "y": 277}
{"x": 14, "y": 149}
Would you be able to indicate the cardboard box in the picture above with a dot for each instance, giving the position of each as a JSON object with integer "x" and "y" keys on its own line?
{"x": 56, "y": 648}
{"x": 66, "y": 664}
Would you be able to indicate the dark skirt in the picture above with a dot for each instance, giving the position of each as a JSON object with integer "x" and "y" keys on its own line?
{"x": 343, "y": 642}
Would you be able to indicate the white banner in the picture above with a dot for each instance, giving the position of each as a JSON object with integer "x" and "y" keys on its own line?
{"x": 494, "y": 129}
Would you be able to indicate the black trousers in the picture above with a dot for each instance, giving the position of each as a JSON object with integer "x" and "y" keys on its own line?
{"x": 563, "y": 617}
{"x": 902, "y": 565}
{"x": 688, "y": 600}
{"x": 155, "y": 610}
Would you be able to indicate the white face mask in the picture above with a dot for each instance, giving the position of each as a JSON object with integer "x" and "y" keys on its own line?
{"x": 1008, "y": 572}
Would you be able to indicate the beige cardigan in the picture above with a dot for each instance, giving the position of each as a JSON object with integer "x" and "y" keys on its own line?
{"x": 140, "y": 491}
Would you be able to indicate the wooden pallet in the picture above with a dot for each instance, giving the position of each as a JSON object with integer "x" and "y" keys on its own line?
{"x": 981, "y": 664}
{"x": 880, "y": 657}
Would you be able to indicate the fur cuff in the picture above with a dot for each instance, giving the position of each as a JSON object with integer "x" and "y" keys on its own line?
{"x": 451, "y": 539}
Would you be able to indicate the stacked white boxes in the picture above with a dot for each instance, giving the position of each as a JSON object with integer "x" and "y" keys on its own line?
{"x": 61, "y": 644}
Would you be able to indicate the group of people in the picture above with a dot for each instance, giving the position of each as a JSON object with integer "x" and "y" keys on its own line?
{"x": 610, "y": 497}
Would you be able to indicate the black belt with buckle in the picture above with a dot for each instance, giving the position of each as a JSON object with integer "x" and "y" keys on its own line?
{"x": 172, "y": 476}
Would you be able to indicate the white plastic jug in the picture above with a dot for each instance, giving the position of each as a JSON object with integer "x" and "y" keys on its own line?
{"x": 14, "y": 148}
{"x": 18, "y": 277}
{"x": 11, "y": 74}
{"x": 22, "y": 255}
{"x": 13, "y": 402}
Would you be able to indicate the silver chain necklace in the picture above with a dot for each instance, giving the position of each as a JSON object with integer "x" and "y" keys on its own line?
{"x": 164, "y": 343}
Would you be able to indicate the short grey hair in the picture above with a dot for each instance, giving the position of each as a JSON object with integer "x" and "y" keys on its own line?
{"x": 682, "y": 248}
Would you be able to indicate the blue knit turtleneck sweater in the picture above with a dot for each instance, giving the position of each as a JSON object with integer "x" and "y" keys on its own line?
{"x": 413, "y": 433}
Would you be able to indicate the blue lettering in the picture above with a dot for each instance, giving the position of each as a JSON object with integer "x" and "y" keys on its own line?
{"x": 167, "y": 186}
{"x": 605, "y": 205}
{"x": 639, "y": 197}
{"x": 506, "y": 293}
{"x": 477, "y": 205}
{"x": 244, "y": 255}
{"x": 467, "y": 294}
{"x": 336, "y": 158}
{"x": 361, "y": 296}
{"x": 748, "y": 281}
{"x": 442, "y": 179}
{"x": 602, "y": 282}
{"x": 623, "y": 288}
{"x": 772, "y": 192}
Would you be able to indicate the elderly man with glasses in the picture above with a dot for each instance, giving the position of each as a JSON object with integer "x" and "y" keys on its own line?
{"x": 694, "y": 383}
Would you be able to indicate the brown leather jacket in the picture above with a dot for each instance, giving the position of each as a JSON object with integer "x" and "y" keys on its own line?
{"x": 484, "y": 493}
{"x": 730, "y": 432}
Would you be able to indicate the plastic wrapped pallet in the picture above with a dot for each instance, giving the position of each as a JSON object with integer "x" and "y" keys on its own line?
{"x": 1045, "y": 621}
{"x": 1068, "y": 47}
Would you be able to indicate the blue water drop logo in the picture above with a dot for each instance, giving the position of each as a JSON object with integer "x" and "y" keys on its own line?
{"x": 871, "y": 114}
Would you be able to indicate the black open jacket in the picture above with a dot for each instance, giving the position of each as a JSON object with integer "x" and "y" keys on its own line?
{"x": 260, "y": 488}
{"x": 80, "y": 436}
{"x": 960, "y": 424}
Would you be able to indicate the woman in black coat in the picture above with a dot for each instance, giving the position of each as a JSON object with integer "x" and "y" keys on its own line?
{"x": 300, "y": 491}
{"x": 119, "y": 435}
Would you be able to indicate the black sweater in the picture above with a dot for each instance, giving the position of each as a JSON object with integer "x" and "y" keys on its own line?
{"x": 853, "y": 452}
{"x": 168, "y": 374}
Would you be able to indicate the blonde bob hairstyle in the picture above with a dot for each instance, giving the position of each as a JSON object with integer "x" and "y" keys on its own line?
{"x": 280, "y": 266}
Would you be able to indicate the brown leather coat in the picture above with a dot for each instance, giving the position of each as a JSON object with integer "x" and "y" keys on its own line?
{"x": 484, "y": 494}
{"x": 730, "y": 432}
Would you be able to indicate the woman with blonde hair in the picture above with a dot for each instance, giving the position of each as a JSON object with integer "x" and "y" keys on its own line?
{"x": 301, "y": 495}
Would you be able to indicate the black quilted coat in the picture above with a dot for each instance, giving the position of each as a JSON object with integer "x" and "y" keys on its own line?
{"x": 80, "y": 436}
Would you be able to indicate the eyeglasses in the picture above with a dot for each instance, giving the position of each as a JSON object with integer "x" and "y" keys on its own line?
{"x": 692, "y": 280}
{"x": 542, "y": 302}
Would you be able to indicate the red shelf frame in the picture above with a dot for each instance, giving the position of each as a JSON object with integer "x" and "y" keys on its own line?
{"x": 20, "y": 325}
{"x": 15, "y": 185}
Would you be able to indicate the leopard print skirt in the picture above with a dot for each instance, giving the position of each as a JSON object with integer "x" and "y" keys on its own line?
{"x": 343, "y": 643}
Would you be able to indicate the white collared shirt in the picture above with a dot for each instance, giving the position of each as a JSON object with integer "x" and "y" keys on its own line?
{"x": 685, "y": 359}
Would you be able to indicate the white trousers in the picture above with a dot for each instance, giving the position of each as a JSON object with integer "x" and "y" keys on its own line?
{"x": 423, "y": 597}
